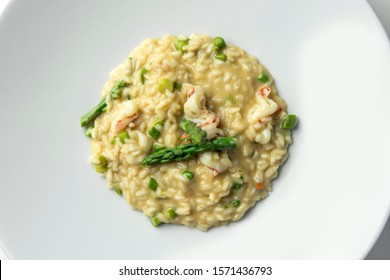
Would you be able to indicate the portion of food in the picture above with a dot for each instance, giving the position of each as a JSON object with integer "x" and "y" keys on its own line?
{"x": 185, "y": 152}
{"x": 190, "y": 131}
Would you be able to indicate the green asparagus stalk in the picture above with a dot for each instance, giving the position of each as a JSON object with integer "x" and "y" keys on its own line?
{"x": 195, "y": 133}
{"x": 185, "y": 152}
{"x": 94, "y": 113}
{"x": 115, "y": 93}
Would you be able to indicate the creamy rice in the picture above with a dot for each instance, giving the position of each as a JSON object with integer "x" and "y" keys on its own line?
{"x": 226, "y": 183}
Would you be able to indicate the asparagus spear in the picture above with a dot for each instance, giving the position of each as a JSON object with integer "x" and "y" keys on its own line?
{"x": 94, "y": 113}
{"x": 115, "y": 93}
{"x": 195, "y": 133}
{"x": 185, "y": 152}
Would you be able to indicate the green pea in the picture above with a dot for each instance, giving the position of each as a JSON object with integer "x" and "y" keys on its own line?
{"x": 179, "y": 44}
{"x": 236, "y": 203}
{"x": 155, "y": 221}
{"x": 144, "y": 71}
{"x": 221, "y": 56}
{"x": 123, "y": 136}
{"x": 236, "y": 186}
{"x": 289, "y": 121}
{"x": 188, "y": 174}
{"x": 165, "y": 84}
{"x": 171, "y": 213}
{"x": 88, "y": 131}
{"x": 219, "y": 42}
{"x": 263, "y": 78}
{"x": 152, "y": 184}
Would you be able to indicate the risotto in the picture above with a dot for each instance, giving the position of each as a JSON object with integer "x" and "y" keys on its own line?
{"x": 190, "y": 130}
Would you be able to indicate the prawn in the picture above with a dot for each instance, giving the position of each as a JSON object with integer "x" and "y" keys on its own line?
{"x": 127, "y": 113}
{"x": 216, "y": 162}
{"x": 195, "y": 110}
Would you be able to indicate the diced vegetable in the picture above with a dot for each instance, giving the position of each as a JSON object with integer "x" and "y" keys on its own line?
{"x": 219, "y": 42}
{"x": 154, "y": 133}
{"x": 188, "y": 174}
{"x": 179, "y": 44}
{"x": 100, "y": 169}
{"x": 171, "y": 213}
{"x": 155, "y": 130}
{"x": 118, "y": 190}
{"x": 158, "y": 147}
{"x": 144, "y": 71}
{"x": 176, "y": 86}
{"x": 116, "y": 91}
{"x": 152, "y": 184}
{"x": 165, "y": 84}
{"x": 102, "y": 166}
{"x": 113, "y": 140}
{"x": 155, "y": 221}
{"x": 236, "y": 186}
{"x": 263, "y": 78}
{"x": 221, "y": 56}
{"x": 260, "y": 186}
{"x": 289, "y": 121}
{"x": 236, "y": 203}
{"x": 123, "y": 136}
{"x": 88, "y": 131}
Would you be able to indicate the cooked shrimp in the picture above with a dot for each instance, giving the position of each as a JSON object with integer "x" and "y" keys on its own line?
{"x": 195, "y": 103}
{"x": 208, "y": 121}
{"x": 264, "y": 108}
{"x": 216, "y": 162}
{"x": 260, "y": 115}
{"x": 195, "y": 110}
{"x": 264, "y": 136}
{"x": 264, "y": 91}
{"x": 127, "y": 112}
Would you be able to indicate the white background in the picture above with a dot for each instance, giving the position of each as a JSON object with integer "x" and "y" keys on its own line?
{"x": 381, "y": 249}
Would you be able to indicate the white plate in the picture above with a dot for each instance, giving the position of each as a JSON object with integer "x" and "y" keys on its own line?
{"x": 331, "y": 62}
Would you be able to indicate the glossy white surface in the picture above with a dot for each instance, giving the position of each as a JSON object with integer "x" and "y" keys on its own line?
{"x": 332, "y": 68}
